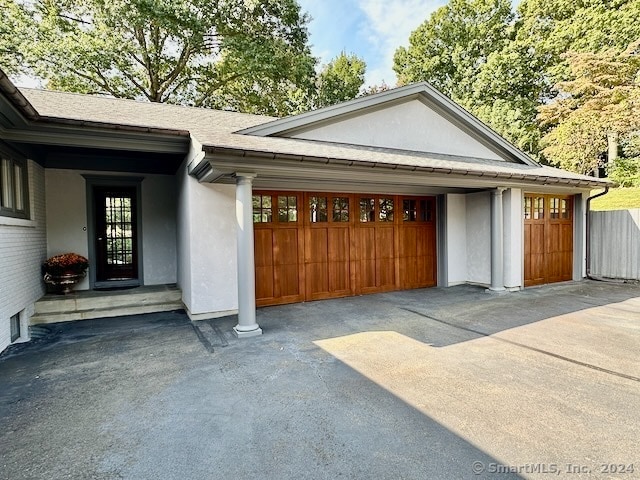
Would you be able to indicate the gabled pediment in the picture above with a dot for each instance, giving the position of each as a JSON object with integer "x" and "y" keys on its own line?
{"x": 415, "y": 118}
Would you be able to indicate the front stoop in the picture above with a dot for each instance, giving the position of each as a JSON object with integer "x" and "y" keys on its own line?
{"x": 88, "y": 304}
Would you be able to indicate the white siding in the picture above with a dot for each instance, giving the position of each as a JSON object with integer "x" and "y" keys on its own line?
{"x": 410, "y": 125}
{"x": 22, "y": 251}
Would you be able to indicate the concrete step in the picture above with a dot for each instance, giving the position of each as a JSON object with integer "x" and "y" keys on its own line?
{"x": 97, "y": 304}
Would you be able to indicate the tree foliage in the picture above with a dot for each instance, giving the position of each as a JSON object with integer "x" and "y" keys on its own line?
{"x": 449, "y": 49}
{"x": 242, "y": 55}
{"x": 601, "y": 99}
{"x": 503, "y": 67}
{"x": 340, "y": 80}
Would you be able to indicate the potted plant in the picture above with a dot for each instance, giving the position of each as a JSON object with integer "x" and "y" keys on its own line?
{"x": 62, "y": 272}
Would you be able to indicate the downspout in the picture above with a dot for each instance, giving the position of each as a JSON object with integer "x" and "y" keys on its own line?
{"x": 588, "y": 229}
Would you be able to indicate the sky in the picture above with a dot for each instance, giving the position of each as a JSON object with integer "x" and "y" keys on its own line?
{"x": 372, "y": 29}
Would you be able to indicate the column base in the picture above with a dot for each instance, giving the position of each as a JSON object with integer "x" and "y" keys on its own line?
{"x": 247, "y": 334}
{"x": 497, "y": 291}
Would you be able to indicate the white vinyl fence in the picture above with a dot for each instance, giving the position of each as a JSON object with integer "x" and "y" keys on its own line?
{"x": 615, "y": 244}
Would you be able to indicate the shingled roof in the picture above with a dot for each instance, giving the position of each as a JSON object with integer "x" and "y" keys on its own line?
{"x": 219, "y": 132}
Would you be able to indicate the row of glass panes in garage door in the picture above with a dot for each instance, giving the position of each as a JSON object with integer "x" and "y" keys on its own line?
{"x": 380, "y": 209}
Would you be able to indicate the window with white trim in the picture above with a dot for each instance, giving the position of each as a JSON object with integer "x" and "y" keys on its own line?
{"x": 14, "y": 194}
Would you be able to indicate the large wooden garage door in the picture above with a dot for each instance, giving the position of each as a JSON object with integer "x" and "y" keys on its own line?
{"x": 312, "y": 246}
{"x": 548, "y": 239}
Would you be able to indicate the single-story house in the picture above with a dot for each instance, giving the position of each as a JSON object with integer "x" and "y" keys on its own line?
{"x": 397, "y": 190}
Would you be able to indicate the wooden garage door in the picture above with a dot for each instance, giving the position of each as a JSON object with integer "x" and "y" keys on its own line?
{"x": 548, "y": 239}
{"x": 317, "y": 245}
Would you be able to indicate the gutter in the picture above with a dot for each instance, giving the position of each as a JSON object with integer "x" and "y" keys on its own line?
{"x": 588, "y": 233}
{"x": 16, "y": 97}
{"x": 113, "y": 126}
{"x": 527, "y": 177}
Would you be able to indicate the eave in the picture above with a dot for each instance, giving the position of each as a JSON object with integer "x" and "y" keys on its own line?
{"x": 219, "y": 165}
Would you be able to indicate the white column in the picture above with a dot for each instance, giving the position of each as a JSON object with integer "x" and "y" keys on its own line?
{"x": 513, "y": 242}
{"x": 497, "y": 247}
{"x": 247, "y": 325}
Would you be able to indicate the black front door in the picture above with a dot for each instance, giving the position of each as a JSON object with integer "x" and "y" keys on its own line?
{"x": 116, "y": 233}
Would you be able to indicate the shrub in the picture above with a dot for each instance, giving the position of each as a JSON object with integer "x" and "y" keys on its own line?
{"x": 626, "y": 172}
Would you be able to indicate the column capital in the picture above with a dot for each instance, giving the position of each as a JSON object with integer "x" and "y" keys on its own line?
{"x": 244, "y": 175}
{"x": 498, "y": 190}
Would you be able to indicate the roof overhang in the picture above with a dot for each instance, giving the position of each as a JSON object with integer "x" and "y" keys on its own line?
{"x": 109, "y": 137}
{"x": 218, "y": 165}
{"x": 20, "y": 123}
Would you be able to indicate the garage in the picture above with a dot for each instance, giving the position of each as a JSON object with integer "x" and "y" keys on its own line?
{"x": 548, "y": 239}
{"x": 318, "y": 245}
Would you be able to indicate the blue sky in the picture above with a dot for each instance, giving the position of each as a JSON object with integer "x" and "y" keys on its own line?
{"x": 372, "y": 29}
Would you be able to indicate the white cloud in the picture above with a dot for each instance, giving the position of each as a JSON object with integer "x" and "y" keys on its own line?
{"x": 388, "y": 26}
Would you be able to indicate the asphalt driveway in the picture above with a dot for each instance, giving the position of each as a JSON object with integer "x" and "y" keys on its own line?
{"x": 435, "y": 383}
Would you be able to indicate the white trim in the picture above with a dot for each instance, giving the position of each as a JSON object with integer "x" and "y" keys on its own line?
{"x": 194, "y": 317}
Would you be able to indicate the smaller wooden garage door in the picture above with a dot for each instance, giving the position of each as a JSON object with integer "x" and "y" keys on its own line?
{"x": 548, "y": 239}
{"x": 312, "y": 246}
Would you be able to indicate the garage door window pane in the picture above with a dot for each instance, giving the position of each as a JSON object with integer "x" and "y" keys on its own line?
{"x": 367, "y": 210}
{"x": 528, "y": 203}
{"x": 318, "y": 209}
{"x": 554, "y": 208}
{"x": 426, "y": 213}
{"x": 565, "y": 209}
{"x": 287, "y": 209}
{"x": 386, "y": 209}
{"x": 538, "y": 208}
{"x": 262, "y": 209}
{"x": 410, "y": 210}
{"x": 341, "y": 209}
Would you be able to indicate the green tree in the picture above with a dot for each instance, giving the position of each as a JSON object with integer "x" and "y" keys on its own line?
{"x": 512, "y": 64}
{"x": 449, "y": 49}
{"x": 598, "y": 105}
{"x": 340, "y": 80}
{"x": 229, "y": 54}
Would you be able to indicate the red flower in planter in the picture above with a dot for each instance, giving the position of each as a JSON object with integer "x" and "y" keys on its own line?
{"x": 66, "y": 263}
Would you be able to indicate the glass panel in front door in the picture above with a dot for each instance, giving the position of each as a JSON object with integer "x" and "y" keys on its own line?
{"x": 119, "y": 230}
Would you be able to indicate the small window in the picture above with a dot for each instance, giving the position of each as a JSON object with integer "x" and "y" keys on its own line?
{"x": 13, "y": 188}
{"x": 262, "y": 211}
{"x": 15, "y": 327}
{"x": 386, "y": 209}
{"x": 554, "y": 208}
{"x": 409, "y": 210}
{"x": 287, "y": 209}
{"x": 565, "y": 209}
{"x": 538, "y": 208}
{"x": 528, "y": 202}
{"x": 426, "y": 211}
{"x": 341, "y": 209}
{"x": 367, "y": 210}
{"x": 318, "y": 209}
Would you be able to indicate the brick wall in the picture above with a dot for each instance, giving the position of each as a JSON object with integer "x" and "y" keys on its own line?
{"x": 23, "y": 248}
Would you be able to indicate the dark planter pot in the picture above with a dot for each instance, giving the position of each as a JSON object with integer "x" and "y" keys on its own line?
{"x": 62, "y": 283}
